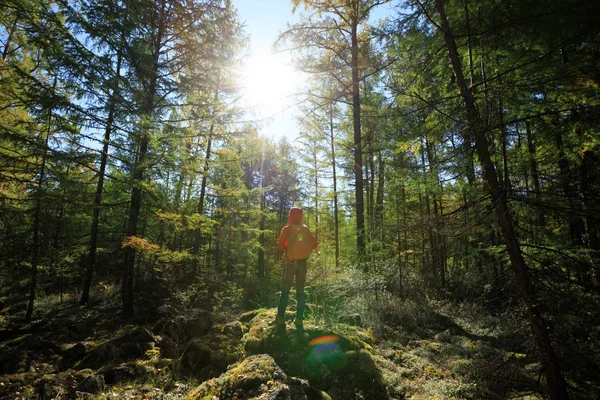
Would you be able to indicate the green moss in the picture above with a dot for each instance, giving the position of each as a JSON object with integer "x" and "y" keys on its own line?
{"x": 262, "y": 338}
{"x": 209, "y": 356}
{"x": 131, "y": 342}
{"x": 248, "y": 316}
{"x": 247, "y": 376}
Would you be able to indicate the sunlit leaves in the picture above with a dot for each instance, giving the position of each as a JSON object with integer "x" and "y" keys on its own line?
{"x": 139, "y": 244}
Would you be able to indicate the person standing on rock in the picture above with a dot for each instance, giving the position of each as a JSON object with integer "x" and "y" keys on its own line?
{"x": 297, "y": 242}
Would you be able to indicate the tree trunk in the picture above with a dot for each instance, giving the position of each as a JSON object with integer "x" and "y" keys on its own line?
{"x": 8, "y": 40}
{"x": 588, "y": 182}
{"x": 358, "y": 165}
{"x": 262, "y": 241}
{"x": 379, "y": 206}
{"x": 400, "y": 246}
{"x": 574, "y": 221}
{"x": 316, "y": 183}
{"x": 469, "y": 44}
{"x": 367, "y": 187}
{"x": 35, "y": 254}
{"x": 371, "y": 191}
{"x": 541, "y": 221}
{"x": 432, "y": 267}
{"x": 138, "y": 177}
{"x": 61, "y": 211}
{"x": 555, "y": 381}
{"x": 335, "y": 193}
{"x": 178, "y": 192}
{"x": 504, "y": 140}
{"x": 436, "y": 222}
{"x": 198, "y": 232}
{"x": 91, "y": 262}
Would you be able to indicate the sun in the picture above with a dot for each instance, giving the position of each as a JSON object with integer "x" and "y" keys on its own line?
{"x": 269, "y": 82}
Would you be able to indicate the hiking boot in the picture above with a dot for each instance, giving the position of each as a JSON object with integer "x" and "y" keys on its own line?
{"x": 278, "y": 321}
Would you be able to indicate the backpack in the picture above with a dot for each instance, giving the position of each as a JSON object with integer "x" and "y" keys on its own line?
{"x": 300, "y": 243}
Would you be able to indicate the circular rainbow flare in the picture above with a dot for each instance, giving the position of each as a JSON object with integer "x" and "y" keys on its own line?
{"x": 325, "y": 348}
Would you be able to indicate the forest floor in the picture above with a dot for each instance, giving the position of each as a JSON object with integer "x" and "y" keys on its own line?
{"x": 423, "y": 350}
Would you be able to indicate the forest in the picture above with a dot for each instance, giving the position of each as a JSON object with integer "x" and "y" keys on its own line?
{"x": 447, "y": 162}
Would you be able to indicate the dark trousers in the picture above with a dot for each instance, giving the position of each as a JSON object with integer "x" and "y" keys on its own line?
{"x": 298, "y": 270}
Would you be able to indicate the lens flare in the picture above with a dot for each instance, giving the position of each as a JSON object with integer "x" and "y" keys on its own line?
{"x": 325, "y": 348}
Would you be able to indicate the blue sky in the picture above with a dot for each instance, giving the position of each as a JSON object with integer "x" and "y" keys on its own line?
{"x": 264, "y": 20}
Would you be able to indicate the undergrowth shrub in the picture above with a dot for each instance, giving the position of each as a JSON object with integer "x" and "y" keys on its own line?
{"x": 257, "y": 293}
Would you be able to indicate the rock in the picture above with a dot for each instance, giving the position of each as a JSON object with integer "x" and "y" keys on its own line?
{"x": 10, "y": 362}
{"x": 74, "y": 353}
{"x": 124, "y": 373}
{"x": 130, "y": 343}
{"x": 183, "y": 327}
{"x": 136, "y": 334}
{"x": 34, "y": 343}
{"x": 327, "y": 358}
{"x": 248, "y": 316}
{"x": 166, "y": 311}
{"x": 243, "y": 379}
{"x": 132, "y": 350}
{"x": 197, "y": 355}
{"x": 257, "y": 377}
{"x": 82, "y": 330}
{"x": 92, "y": 384}
{"x": 210, "y": 356}
{"x": 300, "y": 389}
{"x": 47, "y": 386}
{"x": 168, "y": 348}
{"x": 198, "y": 323}
{"x": 263, "y": 338}
{"x": 235, "y": 329}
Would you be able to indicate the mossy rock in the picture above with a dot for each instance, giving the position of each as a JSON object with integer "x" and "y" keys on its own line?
{"x": 256, "y": 377}
{"x": 184, "y": 326}
{"x": 17, "y": 354}
{"x": 11, "y": 361}
{"x": 324, "y": 356}
{"x": 249, "y": 315}
{"x": 126, "y": 372}
{"x": 235, "y": 329}
{"x": 48, "y": 386}
{"x": 263, "y": 338}
{"x": 210, "y": 356}
{"x": 130, "y": 343}
{"x": 74, "y": 353}
{"x": 196, "y": 356}
{"x": 92, "y": 384}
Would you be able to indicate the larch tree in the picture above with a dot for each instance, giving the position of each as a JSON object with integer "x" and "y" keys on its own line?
{"x": 477, "y": 130}
{"x": 336, "y": 31}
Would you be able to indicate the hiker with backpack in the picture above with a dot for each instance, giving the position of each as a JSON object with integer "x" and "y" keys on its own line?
{"x": 297, "y": 242}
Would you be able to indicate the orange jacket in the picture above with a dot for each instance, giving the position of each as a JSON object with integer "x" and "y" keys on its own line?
{"x": 295, "y": 216}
